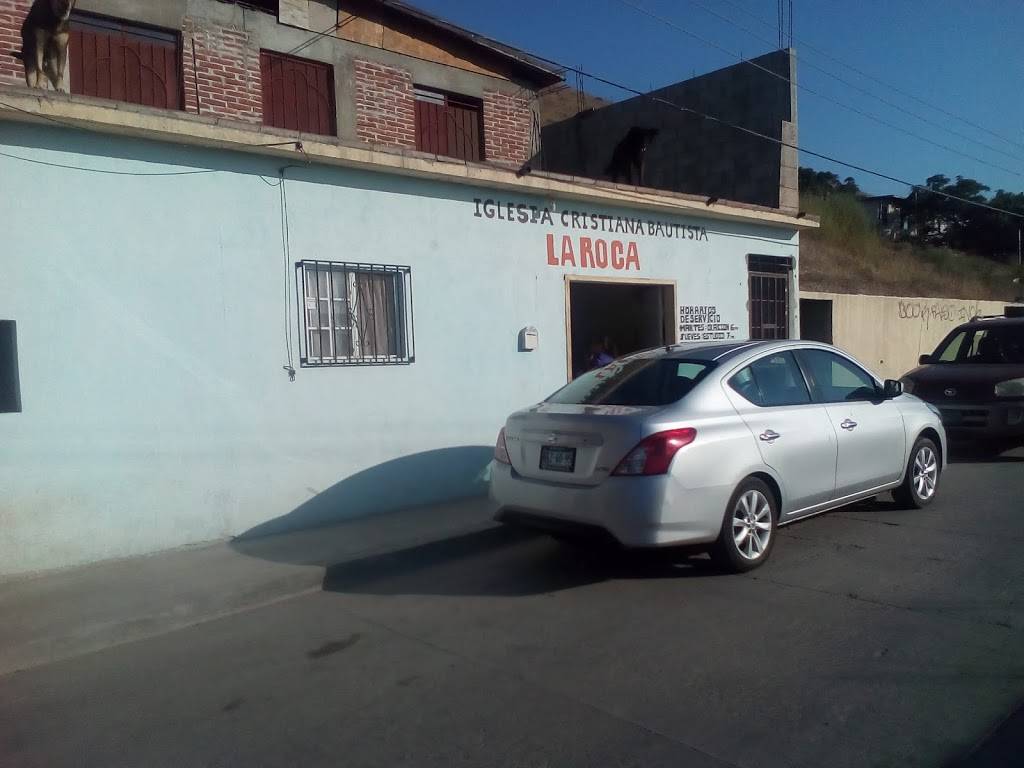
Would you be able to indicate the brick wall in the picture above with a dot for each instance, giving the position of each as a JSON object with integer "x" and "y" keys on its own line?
{"x": 228, "y": 63}
{"x": 12, "y": 13}
{"x": 508, "y": 127}
{"x": 385, "y": 111}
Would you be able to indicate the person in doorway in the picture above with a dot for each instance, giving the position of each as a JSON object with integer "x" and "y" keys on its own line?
{"x": 599, "y": 354}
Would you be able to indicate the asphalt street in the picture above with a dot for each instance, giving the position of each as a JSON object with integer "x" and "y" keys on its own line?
{"x": 874, "y": 637}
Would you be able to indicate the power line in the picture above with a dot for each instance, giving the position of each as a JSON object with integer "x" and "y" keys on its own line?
{"x": 878, "y": 80}
{"x": 668, "y": 22}
{"x": 864, "y": 91}
{"x": 105, "y": 171}
{"x": 597, "y": 78}
{"x": 772, "y": 139}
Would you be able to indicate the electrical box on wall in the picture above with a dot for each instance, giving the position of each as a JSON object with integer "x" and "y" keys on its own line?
{"x": 10, "y": 388}
{"x": 528, "y": 339}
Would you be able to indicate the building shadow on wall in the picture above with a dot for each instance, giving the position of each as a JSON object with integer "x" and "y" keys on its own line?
{"x": 422, "y": 524}
{"x": 414, "y": 498}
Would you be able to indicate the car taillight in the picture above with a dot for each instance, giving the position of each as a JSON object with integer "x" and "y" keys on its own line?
{"x": 500, "y": 449}
{"x": 653, "y": 455}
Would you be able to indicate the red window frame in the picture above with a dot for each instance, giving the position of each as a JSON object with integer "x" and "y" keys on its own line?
{"x": 449, "y": 124}
{"x": 298, "y": 94}
{"x": 113, "y": 59}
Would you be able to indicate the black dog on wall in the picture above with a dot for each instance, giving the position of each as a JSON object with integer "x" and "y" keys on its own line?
{"x": 44, "y": 42}
{"x": 627, "y": 163}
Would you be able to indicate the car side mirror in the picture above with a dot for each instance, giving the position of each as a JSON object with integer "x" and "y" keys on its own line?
{"x": 892, "y": 388}
{"x": 924, "y": 359}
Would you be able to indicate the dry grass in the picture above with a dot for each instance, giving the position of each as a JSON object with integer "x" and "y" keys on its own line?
{"x": 846, "y": 256}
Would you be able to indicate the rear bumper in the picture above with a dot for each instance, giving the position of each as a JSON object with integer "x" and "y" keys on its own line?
{"x": 999, "y": 421}
{"x": 636, "y": 511}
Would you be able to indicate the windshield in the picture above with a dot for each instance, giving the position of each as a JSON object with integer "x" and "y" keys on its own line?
{"x": 993, "y": 345}
{"x": 634, "y": 381}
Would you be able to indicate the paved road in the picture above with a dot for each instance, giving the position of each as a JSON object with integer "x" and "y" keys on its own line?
{"x": 875, "y": 637}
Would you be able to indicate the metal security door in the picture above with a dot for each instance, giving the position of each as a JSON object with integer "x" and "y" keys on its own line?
{"x": 768, "y": 278}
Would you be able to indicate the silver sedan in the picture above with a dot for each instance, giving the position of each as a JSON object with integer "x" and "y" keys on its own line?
{"x": 715, "y": 445}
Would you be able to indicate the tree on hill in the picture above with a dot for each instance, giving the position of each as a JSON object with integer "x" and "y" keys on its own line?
{"x": 941, "y": 211}
{"x": 824, "y": 183}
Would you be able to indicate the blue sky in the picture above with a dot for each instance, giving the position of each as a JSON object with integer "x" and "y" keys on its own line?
{"x": 964, "y": 57}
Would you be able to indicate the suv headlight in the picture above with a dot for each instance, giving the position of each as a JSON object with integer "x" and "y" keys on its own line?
{"x": 1010, "y": 388}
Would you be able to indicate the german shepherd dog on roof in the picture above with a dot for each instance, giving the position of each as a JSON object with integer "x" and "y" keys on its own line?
{"x": 44, "y": 42}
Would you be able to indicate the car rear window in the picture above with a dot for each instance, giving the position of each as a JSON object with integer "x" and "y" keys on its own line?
{"x": 994, "y": 344}
{"x": 634, "y": 381}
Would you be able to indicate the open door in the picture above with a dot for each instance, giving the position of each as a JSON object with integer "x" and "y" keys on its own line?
{"x": 614, "y": 318}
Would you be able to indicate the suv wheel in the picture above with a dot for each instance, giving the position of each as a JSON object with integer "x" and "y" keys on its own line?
{"x": 748, "y": 530}
{"x": 921, "y": 480}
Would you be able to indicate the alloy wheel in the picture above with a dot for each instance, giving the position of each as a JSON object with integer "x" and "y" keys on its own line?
{"x": 926, "y": 472}
{"x": 752, "y": 524}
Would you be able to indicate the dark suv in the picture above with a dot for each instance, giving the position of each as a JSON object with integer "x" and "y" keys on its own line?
{"x": 976, "y": 379}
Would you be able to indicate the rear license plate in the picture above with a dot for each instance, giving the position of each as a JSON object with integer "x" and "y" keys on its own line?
{"x": 557, "y": 459}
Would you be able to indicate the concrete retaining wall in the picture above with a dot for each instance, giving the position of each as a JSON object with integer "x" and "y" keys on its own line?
{"x": 889, "y": 333}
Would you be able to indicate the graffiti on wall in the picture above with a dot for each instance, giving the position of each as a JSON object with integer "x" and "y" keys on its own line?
{"x": 928, "y": 311}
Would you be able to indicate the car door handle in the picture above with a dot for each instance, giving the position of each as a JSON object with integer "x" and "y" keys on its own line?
{"x": 849, "y": 425}
{"x": 769, "y": 436}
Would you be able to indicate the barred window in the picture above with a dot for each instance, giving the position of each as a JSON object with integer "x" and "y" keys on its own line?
{"x": 355, "y": 314}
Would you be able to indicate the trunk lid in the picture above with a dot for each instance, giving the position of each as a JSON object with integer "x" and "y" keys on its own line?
{"x": 599, "y": 435}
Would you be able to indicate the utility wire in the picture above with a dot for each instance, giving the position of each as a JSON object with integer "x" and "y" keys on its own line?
{"x": 772, "y": 139}
{"x": 871, "y": 94}
{"x": 804, "y": 44}
{"x": 668, "y": 22}
{"x": 605, "y": 81}
{"x": 108, "y": 172}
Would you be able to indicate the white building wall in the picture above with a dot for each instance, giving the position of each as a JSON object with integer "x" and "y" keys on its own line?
{"x": 152, "y": 319}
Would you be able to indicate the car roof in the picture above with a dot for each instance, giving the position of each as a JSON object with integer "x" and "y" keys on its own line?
{"x": 727, "y": 351}
{"x": 991, "y": 322}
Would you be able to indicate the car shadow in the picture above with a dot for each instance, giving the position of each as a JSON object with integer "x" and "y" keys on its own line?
{"x": 967, "y": 453}
{"x": 506, "y": 561}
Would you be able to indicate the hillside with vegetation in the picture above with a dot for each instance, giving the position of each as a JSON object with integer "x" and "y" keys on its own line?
{"x": 848, "y": 255}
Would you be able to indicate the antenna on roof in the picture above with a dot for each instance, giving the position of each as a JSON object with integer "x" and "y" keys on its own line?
{"x": 580, "y": 100}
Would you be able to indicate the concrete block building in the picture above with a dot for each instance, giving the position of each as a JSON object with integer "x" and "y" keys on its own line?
{"x": 692, "y": 154}
{"x": 271, "y": 265}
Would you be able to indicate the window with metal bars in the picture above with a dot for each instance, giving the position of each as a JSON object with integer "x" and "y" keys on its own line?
{"x": 769, "y": 278}
{"x": 298, "y": 94}
{"x": 113, "y": 59}
{"x": 448, "y": 124}
{"x": 355, "y": 314}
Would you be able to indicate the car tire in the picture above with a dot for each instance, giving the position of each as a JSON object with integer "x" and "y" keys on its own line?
{"x": 921, "y": 479}
{"x": 752, "y": 506}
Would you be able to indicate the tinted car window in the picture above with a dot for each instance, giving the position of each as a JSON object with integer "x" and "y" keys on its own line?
{"x": 634, "y": 381}
{"x": 835, "y": 379}
{"x": 995, "y": 344}
{"x": 772, "y": 381}
{"x": 949, "y": 351}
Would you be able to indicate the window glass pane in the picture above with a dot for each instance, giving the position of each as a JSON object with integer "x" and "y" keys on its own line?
{"x": 325, "y": 344}
{"x": 774, "y": 380}
{"x": 634, "y": 381}
{"x": 743, "y": 382}
{"x": 949, "y": 352}
{"x": 339, "y": 280}
{"x": 992, "y": 345}
{"x": 354, "y": 313}
{"x": 835, "y": 379}
{"x": 343, "y": 343}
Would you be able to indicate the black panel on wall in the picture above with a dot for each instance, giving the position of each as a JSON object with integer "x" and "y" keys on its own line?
{"x": 10, "y": 389}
